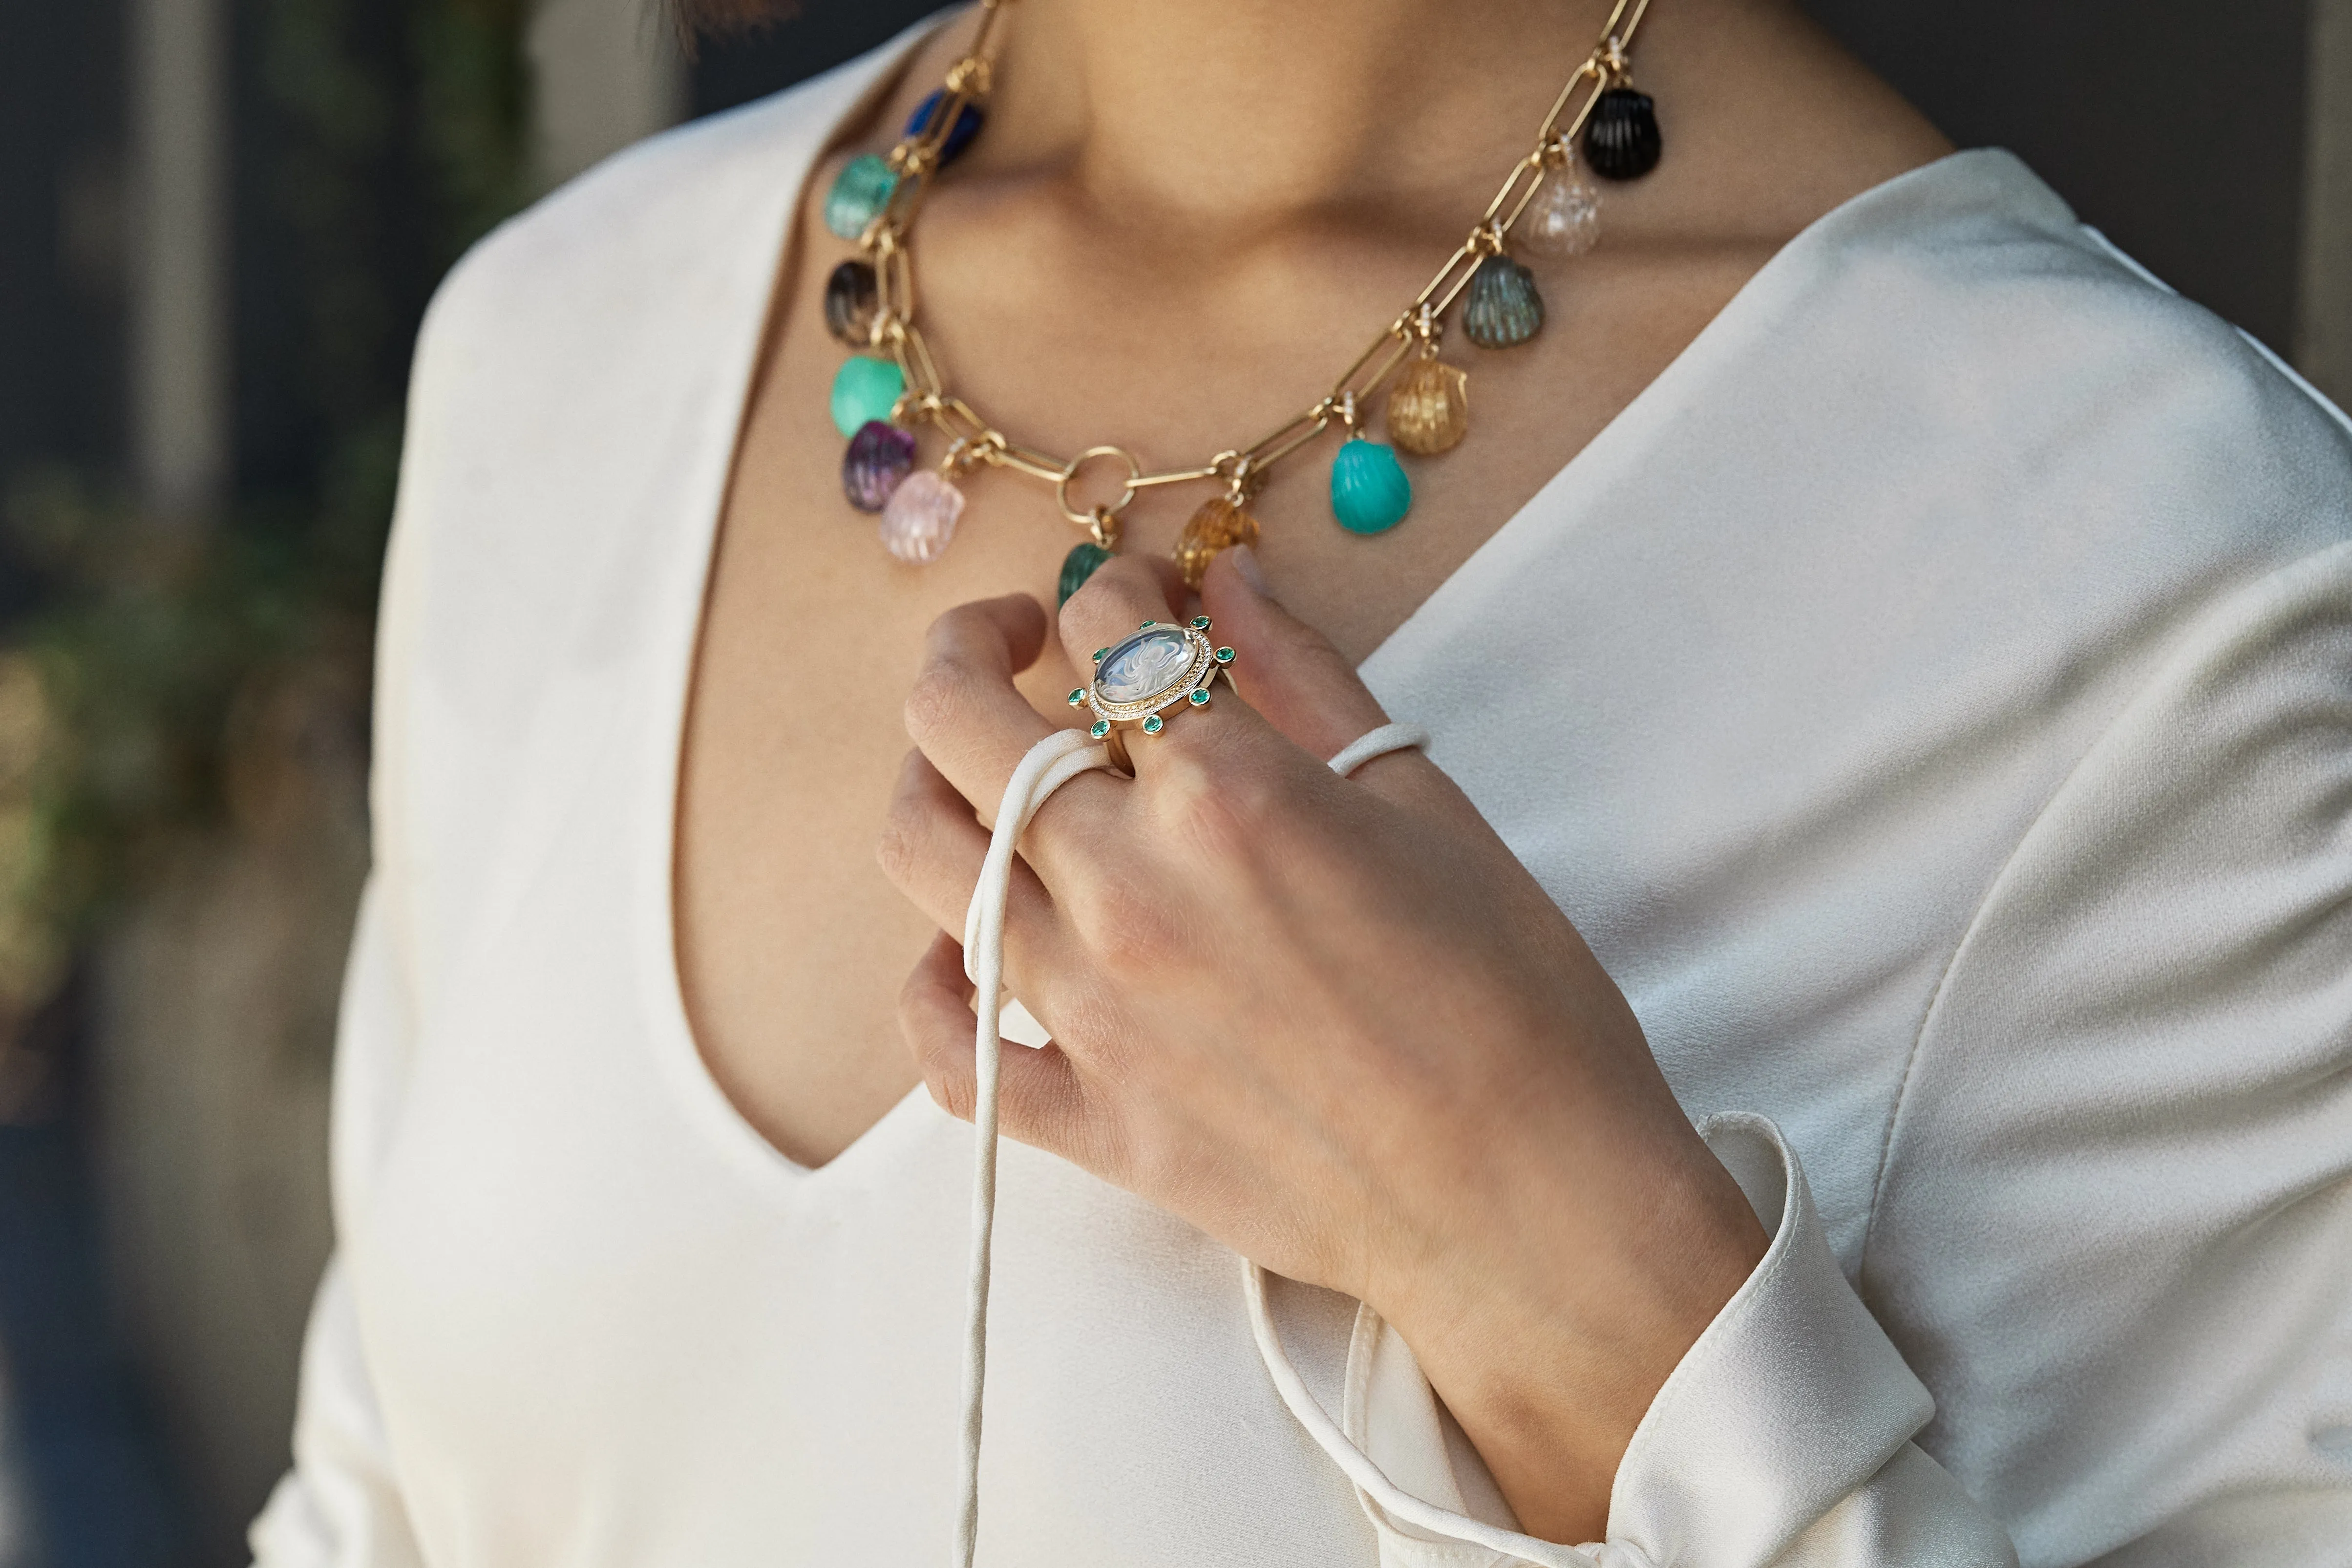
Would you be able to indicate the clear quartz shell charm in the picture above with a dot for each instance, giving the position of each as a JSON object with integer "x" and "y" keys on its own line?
{"x": 920, "y": 518}
{"x": 1564, "y": 219}
{"x": 1429, "y": 407}
{"x": 1218, "y": 526}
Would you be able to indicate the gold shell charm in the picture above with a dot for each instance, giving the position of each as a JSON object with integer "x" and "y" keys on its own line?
{"x": 1429, "y": 407}
{"x": 1220, "y": 524}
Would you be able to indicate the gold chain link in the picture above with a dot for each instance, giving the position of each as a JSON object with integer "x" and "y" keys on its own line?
{"x": 973, "y": 440}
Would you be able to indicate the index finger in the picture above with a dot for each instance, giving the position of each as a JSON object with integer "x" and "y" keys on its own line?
{"x": 964, "y": 713}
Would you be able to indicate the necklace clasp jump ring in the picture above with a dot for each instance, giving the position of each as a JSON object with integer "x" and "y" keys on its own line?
{"x": 1070, "y": 471}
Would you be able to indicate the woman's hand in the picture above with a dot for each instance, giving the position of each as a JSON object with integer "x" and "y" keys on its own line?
{"x": 1331, "y": 1022}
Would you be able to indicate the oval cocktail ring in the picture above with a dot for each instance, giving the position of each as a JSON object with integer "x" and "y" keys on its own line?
{"x": 1138, "y": 681}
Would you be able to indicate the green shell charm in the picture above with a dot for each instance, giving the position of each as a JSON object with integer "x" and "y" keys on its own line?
{"x": 1082, "y": 563}
{"x": 1369, "y": 491}
{"x": 1502, "y": 309}
{"x": 859, "y": 192}
{"x": 863, "y": 389}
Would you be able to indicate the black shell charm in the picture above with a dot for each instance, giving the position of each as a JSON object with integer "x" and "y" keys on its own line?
{"x": 850, "y": 296}
{"x": 1502, "y": 309}
{"x": 1621, "y": 140}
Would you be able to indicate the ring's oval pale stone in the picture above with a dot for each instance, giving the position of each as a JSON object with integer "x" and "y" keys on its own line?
{"x": 1145, "y": 665}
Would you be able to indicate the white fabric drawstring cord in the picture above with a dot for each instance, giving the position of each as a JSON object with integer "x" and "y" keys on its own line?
{"x": 1049, "y": 764}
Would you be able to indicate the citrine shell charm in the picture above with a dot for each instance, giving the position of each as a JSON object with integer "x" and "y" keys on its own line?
{"x": 1219, "y": 525}
{"x": 849, "y": 299}
{"x": 860, "y": 193}
{"x": 875, "y": 464}
{"x": 1429, "y": 407}
{"x": 1369, "y": 491}
{"x": 1564, "y": 219}
{"x": 864, "y": 389}
{"x": 1080, "y": 564}
{"x": 921, "y": 519}
{"x": 1502, "y": 309}
{"x": 1621, "y": 140}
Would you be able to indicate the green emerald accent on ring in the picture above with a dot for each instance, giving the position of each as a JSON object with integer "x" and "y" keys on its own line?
{"x": 1151, "y": 725}
{"x": 1100, "y": 728}
{"x": 1147, "y": 626}
{"x": 1198, "y": 699}
{"x": 1080, "y": 564}
{"x": 1098, "y": 654}
{"x": 864, "y": 389}
{"x": 1224, "y": 656}
{"x": 1077, "y": 695}
{"x": 1199, "y": 623}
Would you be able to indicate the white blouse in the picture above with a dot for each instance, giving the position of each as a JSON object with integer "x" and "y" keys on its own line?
{"x": 1941, "y": 681}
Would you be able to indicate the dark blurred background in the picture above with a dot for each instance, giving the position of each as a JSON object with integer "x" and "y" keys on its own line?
{"x": 219, "y": 221}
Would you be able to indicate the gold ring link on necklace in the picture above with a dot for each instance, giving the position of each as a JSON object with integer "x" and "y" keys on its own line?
{"x": 1070, "y": 471}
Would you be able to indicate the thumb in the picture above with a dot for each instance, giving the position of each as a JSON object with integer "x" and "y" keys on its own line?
{"x": 1288, "y": 671}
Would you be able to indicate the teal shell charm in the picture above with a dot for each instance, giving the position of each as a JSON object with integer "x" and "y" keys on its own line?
{"x": 864, "y": 388}
{"x": 861, "y": 190}
{"x": 1369, "y": 491}
{"x": 1503, "y": 308}
{"x": 1079, "y": 564}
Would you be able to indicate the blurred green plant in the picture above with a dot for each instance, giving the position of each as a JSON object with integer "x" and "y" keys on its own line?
{"x": 383, "y": 151}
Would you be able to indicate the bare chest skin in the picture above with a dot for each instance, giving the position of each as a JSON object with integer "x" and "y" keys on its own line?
{"x": 1072, "y": 327}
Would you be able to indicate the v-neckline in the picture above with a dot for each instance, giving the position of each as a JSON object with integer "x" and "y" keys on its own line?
{"x": 860, "y": 84}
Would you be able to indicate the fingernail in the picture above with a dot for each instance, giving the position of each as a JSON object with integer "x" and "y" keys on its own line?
{"x": 1244, "y": 561}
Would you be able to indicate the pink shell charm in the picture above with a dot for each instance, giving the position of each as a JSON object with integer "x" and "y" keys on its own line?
{"x": 920, "y": 518}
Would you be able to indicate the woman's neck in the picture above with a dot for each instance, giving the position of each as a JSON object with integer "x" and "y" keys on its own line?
{"x": 1233, "y": 114}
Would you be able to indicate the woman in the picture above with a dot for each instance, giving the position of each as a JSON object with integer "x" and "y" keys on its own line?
{"x": 1835, "y": 1053}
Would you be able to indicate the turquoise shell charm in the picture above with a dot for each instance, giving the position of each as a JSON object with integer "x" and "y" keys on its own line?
{"x": 863, "y": 389}
{"x": 1503, "y": 308}
{"x": 859, "y": 192}
{"x": 1369, "y": 491}
{"x": 1079, "y": 564}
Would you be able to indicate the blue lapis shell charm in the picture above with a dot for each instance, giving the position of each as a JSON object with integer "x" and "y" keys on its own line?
{"x": 960, "y": 134}
{"x": 1370, "y": 490}
{"x": 1502, "y": 309}
{"x": 859, "y": 194}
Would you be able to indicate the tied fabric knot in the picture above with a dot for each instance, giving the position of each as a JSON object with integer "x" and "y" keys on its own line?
{"x": 1049, "y": 764}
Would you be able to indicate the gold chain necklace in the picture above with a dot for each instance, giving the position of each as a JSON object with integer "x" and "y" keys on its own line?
{"x": 879, "y": 394}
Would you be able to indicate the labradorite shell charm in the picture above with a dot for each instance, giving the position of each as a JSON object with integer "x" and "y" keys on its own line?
{"x": 1502, "y": 309}
{"x": 1369, "y": 491}
{"x": 864, "y": 389}
{"x": 850, "y": 296}
{"x": 960, "y": 134}
{"x": 1218, "y": 526}
{"x": 859, "y": 192}
{"x": 1080, "y": 564}
{"x": 1621, "y": 140}
{"x": 1429, "y": 407}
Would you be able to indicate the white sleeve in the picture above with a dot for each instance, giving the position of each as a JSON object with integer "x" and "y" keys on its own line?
{"x": 340, "y": 1506}
{"x": 2104, "y": 1303}
{"x": 2112, "y": 1229}
{"x": 1783, "y": 1435}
